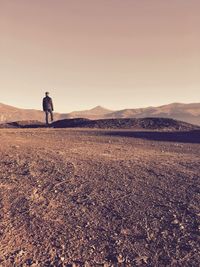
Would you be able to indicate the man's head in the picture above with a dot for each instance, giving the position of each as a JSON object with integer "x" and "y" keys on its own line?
{"x": 47, "y": 93}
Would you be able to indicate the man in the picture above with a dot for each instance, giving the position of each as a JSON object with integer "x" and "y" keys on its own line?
{"x": 48, "y": 107}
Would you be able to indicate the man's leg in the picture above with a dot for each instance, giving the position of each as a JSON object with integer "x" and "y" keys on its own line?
{"x": 47, "y": 115}
{"x": 51, "y": 113}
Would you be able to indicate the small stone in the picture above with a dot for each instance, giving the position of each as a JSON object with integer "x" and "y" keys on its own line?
{"x": 151, "y": 236}
{"x": 87, "y": 264}
{"x": 164, "y": 233}
{"x": 141, "y": 259}
{"x": 120, "y": 258}
{"x": 175, "y": 221}
{"x": 125, "y": 231}
{"x": 29, "y": 262}
{"x": 21, "y": 252}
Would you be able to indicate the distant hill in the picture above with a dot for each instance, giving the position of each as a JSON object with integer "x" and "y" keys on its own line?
{"x": 184, "y": 112}
{"x": 94, "y": 113}
{"x": 10, "y": 114}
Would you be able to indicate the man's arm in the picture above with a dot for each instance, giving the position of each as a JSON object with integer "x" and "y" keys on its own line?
{"x": 52, "y": 104}
{"x": 43, "y": 104}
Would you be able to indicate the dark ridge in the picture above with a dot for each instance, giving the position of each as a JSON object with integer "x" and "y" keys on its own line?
{"x": 164, "y": 124}
{"x": 71, "y": 123}
{"x": 7, "y": 126}
{"x": 23, "y": 124}
{"x": 132, "y": 123}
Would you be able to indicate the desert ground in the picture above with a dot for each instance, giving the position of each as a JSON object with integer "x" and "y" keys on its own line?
{"x": 86, "y": 197}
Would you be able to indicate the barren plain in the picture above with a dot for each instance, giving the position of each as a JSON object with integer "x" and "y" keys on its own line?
{"x": 85, "y": 197}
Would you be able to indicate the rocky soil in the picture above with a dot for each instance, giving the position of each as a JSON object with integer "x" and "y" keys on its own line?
{"x": 82, "y": 197}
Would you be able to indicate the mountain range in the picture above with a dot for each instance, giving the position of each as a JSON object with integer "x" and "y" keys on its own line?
{"x": 179, "y": 111}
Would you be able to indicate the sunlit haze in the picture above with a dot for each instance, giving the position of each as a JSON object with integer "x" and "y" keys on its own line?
{"x": 114, "y": 53}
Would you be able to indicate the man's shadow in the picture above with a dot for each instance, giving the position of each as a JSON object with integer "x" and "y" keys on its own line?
{"x": 180, "y": 137}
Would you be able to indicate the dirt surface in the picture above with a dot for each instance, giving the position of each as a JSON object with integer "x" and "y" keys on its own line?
{"x": 79, "y": 197}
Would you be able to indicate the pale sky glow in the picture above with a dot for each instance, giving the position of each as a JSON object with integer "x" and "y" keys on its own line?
{"x": 114, "y": 53}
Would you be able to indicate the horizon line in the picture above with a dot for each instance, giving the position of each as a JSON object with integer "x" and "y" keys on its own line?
{"x": 103, "y": 107}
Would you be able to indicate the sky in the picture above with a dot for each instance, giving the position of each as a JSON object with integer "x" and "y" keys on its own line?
{"x": 114, "y": 53}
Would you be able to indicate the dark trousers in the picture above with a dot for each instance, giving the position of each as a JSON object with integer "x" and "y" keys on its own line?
{"x": 47, "y": 112}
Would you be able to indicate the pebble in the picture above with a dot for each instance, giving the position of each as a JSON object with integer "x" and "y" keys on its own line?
{"x": 120, "y": 258}
{"x": 15, "y": 146}
{"x": 175, "y": 222}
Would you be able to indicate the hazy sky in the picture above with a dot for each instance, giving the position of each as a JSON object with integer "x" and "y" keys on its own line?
{"x": 114, "y": 53}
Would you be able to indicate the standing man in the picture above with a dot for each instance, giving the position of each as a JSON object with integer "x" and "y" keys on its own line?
{"x": 48, "y": 107}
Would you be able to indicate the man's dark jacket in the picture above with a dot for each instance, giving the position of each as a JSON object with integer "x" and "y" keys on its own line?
{"x": 47, "y": 103}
